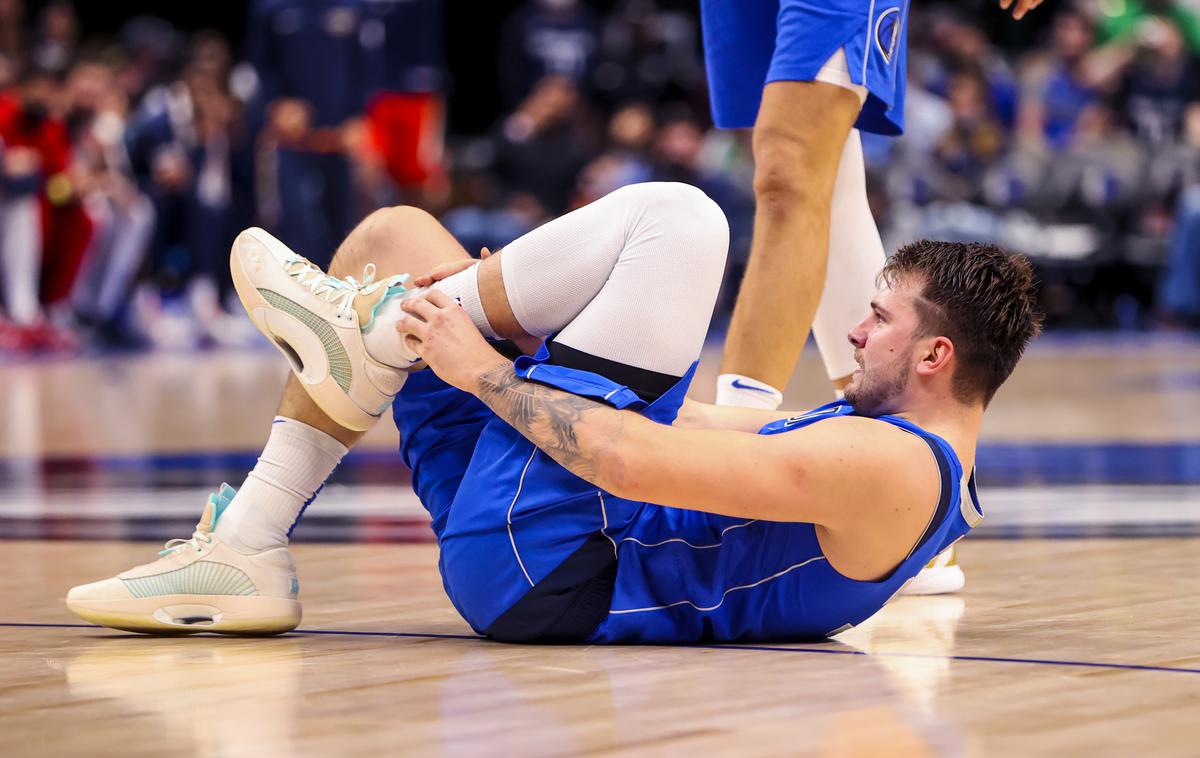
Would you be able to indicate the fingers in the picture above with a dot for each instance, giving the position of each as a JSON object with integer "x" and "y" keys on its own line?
{"x": 419, "y": 311}
{"x": 412, "y": 343}
{"x": 440, "y": 299}
{"x": 420, "y": 306}
{"x": 1023, "y": 7}
{"x": 443, "y": 271}
{"x": 484, "y": 253}
{"x": 425, "y": 307}
{"x": 1005, "y": 4}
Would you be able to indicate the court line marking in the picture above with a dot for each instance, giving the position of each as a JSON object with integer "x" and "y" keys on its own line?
{"x": 756, "y": 648}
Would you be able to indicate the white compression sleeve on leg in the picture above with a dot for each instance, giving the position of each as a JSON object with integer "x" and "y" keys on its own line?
{"x": 855, "y": 257}
{"x": 632, "y": 277}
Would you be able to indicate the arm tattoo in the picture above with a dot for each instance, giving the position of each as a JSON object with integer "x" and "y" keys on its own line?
{"x": 572, "y": 430}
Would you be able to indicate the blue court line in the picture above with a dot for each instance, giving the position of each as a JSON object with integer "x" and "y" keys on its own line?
{"x": 755, "y": 648}
{"x": 1000, "y": 464}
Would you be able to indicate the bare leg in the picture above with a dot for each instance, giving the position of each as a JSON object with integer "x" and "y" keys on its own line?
{"x": 798, "y": 141}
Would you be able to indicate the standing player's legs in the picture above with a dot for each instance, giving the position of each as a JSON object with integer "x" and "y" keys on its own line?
{"x": 791, "y": 47}
{"x": 855, "y": 257}
{"x": 799, "y": 137}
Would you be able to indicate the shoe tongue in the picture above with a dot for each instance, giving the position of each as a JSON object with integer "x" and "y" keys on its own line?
{"x": 208, "y": 519}
{"x": 213, "y": 509}
{"x": 367, "y": 303}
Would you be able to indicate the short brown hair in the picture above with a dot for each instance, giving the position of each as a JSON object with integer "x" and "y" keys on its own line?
{"x": 978, "y": 296}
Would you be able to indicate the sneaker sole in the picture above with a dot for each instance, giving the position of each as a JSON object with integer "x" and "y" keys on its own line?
{"x": 939, "y": 580}
{"x": 193, "y": 614}
{"x": 281, "y": 329}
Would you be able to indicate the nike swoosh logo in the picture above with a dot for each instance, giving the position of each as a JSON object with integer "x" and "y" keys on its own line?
{"x": 738, "y": 384}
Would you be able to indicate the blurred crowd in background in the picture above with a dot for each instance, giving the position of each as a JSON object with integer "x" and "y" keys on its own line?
{"x": 130, "y": 161}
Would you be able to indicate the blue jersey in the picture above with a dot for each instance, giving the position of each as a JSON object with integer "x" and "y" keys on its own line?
{"x": 687, "y": 576}
{"x": 531, "y": 552}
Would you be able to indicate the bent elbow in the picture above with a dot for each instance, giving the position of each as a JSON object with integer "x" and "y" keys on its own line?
{"x": 619, "y": 473}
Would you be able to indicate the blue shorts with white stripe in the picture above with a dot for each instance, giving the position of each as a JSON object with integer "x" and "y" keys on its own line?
{"x": 750, "y": 43}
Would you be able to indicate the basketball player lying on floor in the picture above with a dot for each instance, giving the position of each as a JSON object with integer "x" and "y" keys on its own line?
{"x": 575, "y": 494}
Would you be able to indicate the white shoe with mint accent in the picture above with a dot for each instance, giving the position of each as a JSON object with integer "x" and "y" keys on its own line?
{"x": 198, "y": 585}
{"x": 316, "y": 321}
{"x": 941, "y": 576}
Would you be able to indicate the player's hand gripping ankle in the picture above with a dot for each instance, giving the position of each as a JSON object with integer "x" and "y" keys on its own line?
{"x": 437, "y": 329}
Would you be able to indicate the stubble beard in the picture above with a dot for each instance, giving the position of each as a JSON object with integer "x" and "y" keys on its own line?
{"x": 873, "y": 396}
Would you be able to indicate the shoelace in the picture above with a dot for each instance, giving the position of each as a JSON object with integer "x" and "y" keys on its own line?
{"x": 197, "y": 537}
{"x": 332, "y": 289}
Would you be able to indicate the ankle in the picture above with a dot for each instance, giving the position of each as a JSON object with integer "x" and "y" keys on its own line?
{"x": 294, "y": 465}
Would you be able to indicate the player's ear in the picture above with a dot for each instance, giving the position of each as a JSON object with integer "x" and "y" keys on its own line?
{"x": 937, "y": 356}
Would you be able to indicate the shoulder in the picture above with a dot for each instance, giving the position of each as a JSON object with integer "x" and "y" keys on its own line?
{"x": 856, "y": 432}
{"x": 866, "y": 459}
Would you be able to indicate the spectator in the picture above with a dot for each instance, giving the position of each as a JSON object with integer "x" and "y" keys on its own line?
{"x": 1056, "y": 88}
{"x": 1129, "y": 22}
{"x": 541, "y": 147}
{"x": 195, "y": 160}
{"x": 405, "y": 116}
{"x": 1160, "y": 86}
{"x": 122, "y": 217}
{"x": 546, "y": 38}
{"x": 649, "y": 54}
{"x": 972, "y": 145}
{"x": 627, "y": 159}
{"x": 58, "y": 33}
{"x": 45, "y": 231}
{"x": 312, "y": 70}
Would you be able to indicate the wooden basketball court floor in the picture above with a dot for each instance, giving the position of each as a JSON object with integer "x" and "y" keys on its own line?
{"x": 1076, "y": 633}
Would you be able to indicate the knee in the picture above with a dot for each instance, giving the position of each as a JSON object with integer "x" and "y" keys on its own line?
{"x": 685, "y": 210}
{"x": 385, "y": 224}
{"x": 379, "y": 237}
{"x": 790, "y": 174}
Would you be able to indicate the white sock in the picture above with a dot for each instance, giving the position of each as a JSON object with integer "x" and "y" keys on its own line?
{"x": 385, "y": 345}
{"x": 744, "y": 392}
{"x": 294, "y": 464}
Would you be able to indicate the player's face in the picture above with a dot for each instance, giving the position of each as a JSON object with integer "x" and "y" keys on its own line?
{"x": 884, "y": 351}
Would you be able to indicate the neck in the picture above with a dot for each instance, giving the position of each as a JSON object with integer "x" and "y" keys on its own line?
{"x": 954, "y": 422}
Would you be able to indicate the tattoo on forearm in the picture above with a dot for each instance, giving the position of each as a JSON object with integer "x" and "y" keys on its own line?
{"x": 572, "y": 430}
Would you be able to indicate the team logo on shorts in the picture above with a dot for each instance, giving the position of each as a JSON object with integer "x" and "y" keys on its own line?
{"x": 887, "y": 33}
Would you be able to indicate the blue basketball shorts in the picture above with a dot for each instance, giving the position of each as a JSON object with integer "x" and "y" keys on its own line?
{"x": 750, "y": 43}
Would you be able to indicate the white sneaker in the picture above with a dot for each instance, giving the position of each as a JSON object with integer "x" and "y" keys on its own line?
{"x": 941, "y": 576}
{"x": 198, "y": 585}
{"x": 316, "y": 321}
